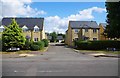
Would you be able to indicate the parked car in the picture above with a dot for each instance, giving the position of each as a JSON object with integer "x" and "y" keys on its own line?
{"x": 13, "y": 49}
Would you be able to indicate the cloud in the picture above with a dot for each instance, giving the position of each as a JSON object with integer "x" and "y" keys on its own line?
{"x": 52, "y": 23}
{"x": 58, "y": 24}
{"x": 19, "y": 8}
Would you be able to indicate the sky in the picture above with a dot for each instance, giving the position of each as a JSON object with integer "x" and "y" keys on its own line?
{"x": 56, "y": 14}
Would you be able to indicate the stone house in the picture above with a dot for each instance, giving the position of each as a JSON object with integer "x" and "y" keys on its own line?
{"x": 33, "y": 28}
{"x": 84, "y": 30}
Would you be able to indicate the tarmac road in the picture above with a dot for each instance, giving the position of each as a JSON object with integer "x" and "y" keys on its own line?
{"x": 60, "y": 61}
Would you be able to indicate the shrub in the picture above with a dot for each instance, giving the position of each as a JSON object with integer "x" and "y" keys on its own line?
{"x": 35, "y": 47}
{"x": 45, "y": 42}
{"x": 27, "y": 45}
{"x": 40, "y": 44}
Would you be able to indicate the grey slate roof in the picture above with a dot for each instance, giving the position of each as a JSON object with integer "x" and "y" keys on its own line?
{"x": 83, "y": 24}
{"x": 29, "y": 22}
{"x": 104, "y": 25}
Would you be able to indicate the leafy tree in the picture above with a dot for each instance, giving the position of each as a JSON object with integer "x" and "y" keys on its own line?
{"x": 54, "y": 36}
{"x": 63, "y": 35}
{"x": 12, "y": 36}
{"x": 113, "y": 19}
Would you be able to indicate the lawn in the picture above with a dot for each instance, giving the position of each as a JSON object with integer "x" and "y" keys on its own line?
{"x": 98, "y": 51}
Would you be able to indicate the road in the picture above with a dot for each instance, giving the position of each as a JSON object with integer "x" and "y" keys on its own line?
{"x": 60, "y": 61}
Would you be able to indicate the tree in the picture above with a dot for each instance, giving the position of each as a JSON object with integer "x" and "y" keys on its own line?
{"x": 12, "y": 36}
{"x": 113, "y": 19}
{"x": 63, "y": 35}
{"x": 54, "y": 36}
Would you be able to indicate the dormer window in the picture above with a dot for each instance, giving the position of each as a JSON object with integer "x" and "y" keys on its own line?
{"x": 2, "y": 28}
{"x": 24, "y": 28}
{"x": 86, "y": 30}
{"x": 76, "y": 30}
{"x": 36, "y": 29}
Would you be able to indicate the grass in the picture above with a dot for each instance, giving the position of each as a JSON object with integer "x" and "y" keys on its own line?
{"x": 16, "y": 52}
{"x": 100, "y": 51}
{"x": 24, "y": 51}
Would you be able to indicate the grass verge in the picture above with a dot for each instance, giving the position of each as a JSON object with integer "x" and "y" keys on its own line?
{"x": 24, "y": 51}
{"x": 97, "y": 51}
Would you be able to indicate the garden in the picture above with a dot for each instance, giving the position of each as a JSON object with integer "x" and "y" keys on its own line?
{"x": 14, "y": 40}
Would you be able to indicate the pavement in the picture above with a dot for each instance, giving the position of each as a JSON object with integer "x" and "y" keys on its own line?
{"x": 59, "y": 60}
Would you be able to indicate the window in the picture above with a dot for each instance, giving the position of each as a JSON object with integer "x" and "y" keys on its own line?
{"x": 36, "y": 29}
{"x": 86, "y": 30}
{"x": 76, "y": 30}
{"x": 86, "y": 38}
{"x": 94, "y": 39}
{"x": 1, "y": 28}
{"x": 76, "y": 39}
{"x": 24, "y": 28}
{"x": 94, "y": 30}
{"x": 35, "y": 39}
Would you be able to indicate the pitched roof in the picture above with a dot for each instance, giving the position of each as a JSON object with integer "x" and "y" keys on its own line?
{"x": 60, "y": 37}
{"x": 104, "y": 25}
{"x": 83, "y": 24}
{"x": 29, "y": 22}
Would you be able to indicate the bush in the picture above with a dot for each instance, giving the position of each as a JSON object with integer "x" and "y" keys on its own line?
{"x": 35, "y": 47}
{"x": 40, "y": 44}
{"x": 27, "y": 45}
{"x": 97, "y": 45}
{"x": 45, "y": 42}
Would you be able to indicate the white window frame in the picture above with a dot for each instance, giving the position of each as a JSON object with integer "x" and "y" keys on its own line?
{"x": 24, "y": 28}
{"x": 2, "y": 28}
{"x": 36, "y": 29}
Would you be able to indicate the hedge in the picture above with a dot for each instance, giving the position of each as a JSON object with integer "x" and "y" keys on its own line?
{"x": 97, "y": 45}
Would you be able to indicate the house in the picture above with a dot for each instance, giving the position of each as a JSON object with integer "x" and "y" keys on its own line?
{"x": 84, "y": 30}
{"x": 49, "y": 37}
{"x": 60, "y": 38}
{"x": 102, "y": 29}
{"x": 33, "y": 28}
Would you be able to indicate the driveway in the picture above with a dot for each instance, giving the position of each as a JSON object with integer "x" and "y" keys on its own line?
{"x": 60, "y": 61}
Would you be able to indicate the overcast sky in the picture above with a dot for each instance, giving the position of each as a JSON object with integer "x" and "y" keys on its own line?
{"x": 56, "y": 14}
